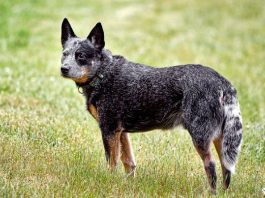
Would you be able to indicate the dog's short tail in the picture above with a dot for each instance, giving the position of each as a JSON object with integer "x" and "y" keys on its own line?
{"x": 232, "y": 131}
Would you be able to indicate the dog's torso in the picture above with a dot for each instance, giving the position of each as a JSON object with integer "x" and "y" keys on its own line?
{"x": 136, "y": 97}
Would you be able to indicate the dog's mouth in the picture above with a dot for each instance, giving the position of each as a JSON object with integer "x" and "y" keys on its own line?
{"x": 65, "y": 75}
{"x": 81, "y": 79}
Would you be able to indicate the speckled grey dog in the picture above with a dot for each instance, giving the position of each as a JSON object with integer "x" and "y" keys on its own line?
{"x": 125, "y": 97}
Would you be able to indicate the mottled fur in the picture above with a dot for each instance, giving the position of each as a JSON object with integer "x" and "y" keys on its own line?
{"x": 126, "y": 97}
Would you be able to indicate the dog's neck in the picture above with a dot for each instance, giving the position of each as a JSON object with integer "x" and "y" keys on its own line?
{"x": 95, "y": 81}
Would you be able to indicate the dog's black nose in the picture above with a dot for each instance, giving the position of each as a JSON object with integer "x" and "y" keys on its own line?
{"x": 65, "y": 69}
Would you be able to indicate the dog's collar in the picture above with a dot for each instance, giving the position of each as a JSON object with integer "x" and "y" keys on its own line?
{"x": 98, "y": 77}
{"x": 95, "y": 82}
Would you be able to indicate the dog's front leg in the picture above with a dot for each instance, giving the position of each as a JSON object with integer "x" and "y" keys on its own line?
{"x": 127, "y": 156}
{"x": 112, "y": 148}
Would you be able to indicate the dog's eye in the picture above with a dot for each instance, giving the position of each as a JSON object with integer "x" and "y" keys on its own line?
{"x": 81, "y": 56}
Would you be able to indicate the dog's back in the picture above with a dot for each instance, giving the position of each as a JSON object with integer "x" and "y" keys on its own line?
{"x": 147, "y": 97}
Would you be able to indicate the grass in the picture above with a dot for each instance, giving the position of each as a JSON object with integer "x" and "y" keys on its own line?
{"x": 50, "y": 145}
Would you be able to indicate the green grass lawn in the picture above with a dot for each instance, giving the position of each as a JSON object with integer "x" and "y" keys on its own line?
{"x": 50, "y": 145}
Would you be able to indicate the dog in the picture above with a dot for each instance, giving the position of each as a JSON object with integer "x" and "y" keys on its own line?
{"x": 126, "y": 97}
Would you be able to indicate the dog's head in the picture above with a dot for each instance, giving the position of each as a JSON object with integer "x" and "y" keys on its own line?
{"x": 81, "y": 57}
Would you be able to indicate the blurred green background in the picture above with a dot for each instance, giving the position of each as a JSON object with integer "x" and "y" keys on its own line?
{"x": 50, "y": 145}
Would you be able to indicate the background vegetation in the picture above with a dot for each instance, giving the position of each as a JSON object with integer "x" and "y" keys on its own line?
{"x": 50, "y": 145}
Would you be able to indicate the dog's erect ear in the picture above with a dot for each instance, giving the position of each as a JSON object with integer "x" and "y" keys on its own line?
{"x": 67, "y": 31}
{"x": 96, "y": 37}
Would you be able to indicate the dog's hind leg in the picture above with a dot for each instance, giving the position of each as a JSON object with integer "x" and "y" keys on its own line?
{"x": 112, "y": 149}
{"x": 127, "y": 156}
{"x": 226, "y": 173}
{"x": 203, "y": 148}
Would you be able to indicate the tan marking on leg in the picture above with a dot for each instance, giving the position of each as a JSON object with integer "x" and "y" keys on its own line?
{"x": 93, "y": 111}
{"x": 218, "y": 147}
{"x": 209, "y": 167}
{"x": 114, "y": 143}
{"x": 127, "y": 156}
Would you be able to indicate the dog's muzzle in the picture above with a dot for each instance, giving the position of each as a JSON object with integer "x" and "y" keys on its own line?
{"x": 65, "y": 70}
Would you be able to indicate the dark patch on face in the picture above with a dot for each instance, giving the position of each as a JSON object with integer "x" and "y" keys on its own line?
{"x": 85, "y": 53}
